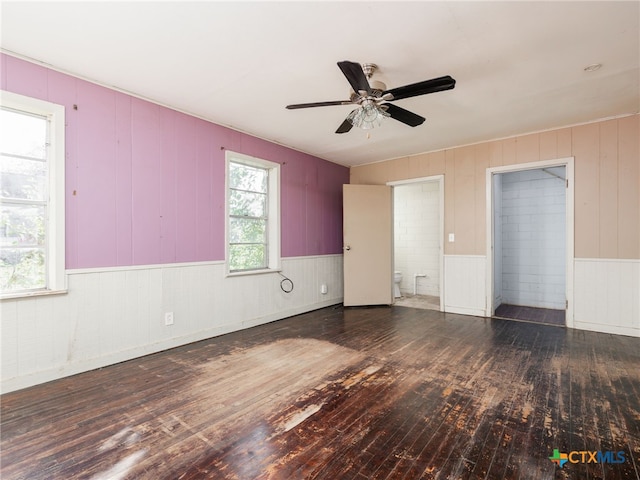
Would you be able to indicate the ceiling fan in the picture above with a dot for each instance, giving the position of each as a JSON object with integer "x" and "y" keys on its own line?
{"x": 372, "y": 98}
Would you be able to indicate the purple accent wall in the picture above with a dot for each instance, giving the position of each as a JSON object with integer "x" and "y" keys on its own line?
{"x": 145, "y": 184}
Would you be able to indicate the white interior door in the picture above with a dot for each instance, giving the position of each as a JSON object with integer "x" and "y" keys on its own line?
{"x": 368, "y": 245}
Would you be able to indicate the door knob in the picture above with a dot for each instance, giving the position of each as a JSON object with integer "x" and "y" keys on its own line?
{"x": 347, "y": 248}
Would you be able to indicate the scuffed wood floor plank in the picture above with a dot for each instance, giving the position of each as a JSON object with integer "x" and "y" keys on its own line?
{"x": 339, "y": 394}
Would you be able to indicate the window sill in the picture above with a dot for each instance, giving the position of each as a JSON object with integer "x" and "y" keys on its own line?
{"x": 253, "y": 272}
{"x": 39, "y": 293}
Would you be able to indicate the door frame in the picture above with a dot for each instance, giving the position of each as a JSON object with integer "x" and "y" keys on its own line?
{"x": 568, "y": 163}
{"x": 440, "y": 180}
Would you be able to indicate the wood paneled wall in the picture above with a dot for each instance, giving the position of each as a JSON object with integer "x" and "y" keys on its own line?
{"x": 607, "y": 183}
{"x": 145, "y": 184}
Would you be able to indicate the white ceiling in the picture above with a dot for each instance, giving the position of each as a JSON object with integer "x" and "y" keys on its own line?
{"x": 519, "y": 66}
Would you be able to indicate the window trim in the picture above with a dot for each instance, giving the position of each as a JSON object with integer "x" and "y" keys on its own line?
{"x": 273, "y": 212}
{"x": 56, "y": 281}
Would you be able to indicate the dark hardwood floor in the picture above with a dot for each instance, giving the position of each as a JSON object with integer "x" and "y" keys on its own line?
{"x": 362, "y": 393}
{"x": 531, "y": 314}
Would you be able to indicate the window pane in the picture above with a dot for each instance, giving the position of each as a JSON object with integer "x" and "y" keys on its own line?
{"x": 23, "y": 134}
{"x": 21, "y": 226}
{"x": 247, "y": 257}
{"x": 23, "y": 179}
{"x": 244, "y": 177}
{"x": 247, "y": 204}
{"x": 22, "y": 269}
{"x": 247, "y": 230}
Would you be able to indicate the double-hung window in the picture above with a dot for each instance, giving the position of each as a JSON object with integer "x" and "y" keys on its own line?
{"x": 31, "y": 196}
{"x": 253, "y": 229}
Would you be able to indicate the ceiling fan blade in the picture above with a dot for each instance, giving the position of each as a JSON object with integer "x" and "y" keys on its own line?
{"x": 422, "y": 88}
{"x": 319, "y": 104}
{"x": 356, "y": 77}
{"x": 344, "y": 126}
{"x": 402, "y": 115}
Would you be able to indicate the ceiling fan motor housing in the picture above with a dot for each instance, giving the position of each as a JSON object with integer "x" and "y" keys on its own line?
{"x": 377, "y": 88}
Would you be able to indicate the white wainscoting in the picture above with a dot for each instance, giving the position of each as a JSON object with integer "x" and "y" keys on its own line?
{"x": 465, "y": 284}
{"x": 113, "y": 315}
{"x": 607, "y": 296}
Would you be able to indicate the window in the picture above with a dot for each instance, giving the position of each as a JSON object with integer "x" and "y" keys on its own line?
{"x": 31, "y": 195}
{"x": 253, "y": 214}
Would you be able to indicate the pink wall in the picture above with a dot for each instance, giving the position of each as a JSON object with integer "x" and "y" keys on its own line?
{"x": 145, "y": 184}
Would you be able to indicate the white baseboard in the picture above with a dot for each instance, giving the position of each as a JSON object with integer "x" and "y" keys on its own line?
{"x": 602, "y": 328}
{"x": 465, "y": 311}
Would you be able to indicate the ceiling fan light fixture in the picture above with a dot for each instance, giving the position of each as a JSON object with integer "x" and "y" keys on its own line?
{"x": 368, "y": 116}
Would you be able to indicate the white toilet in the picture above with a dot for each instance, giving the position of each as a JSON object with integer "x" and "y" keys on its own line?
{"x": 397, "y": 278}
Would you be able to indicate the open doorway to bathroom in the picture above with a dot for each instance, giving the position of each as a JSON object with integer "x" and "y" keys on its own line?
{"x": 417, "y": 232}
{"x": 530, "y": 213}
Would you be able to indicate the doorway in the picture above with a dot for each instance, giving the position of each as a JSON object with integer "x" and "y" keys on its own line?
{"x": 532, "y": 242}
{"x": 417, "y": 242}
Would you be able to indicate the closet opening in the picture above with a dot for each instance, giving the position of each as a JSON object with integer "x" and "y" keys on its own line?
{"x": 531, "y": 233}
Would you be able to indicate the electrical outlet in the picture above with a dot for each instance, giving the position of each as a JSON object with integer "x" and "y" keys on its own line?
{"x": 168, "y": 318}
{"x": 323, "y": 289}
